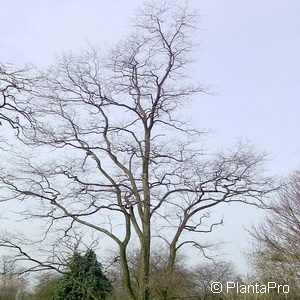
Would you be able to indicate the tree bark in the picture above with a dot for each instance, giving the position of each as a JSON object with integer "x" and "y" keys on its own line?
{"x": 125, "y": 274}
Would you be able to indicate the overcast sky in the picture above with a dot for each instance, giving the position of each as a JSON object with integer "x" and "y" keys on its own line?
{"x": 249, "y": 52}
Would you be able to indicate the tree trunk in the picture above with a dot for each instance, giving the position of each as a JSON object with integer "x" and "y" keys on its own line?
{"x": 144, "y": 292}
{"x": 169, "y": 270}
{"x": 125, "y": 274}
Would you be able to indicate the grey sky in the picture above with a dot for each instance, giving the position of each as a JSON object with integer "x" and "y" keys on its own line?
{"x": 249, "y": 52}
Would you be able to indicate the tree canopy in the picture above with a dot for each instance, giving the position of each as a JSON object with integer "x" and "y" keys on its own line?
{"x": 122, "y": 163}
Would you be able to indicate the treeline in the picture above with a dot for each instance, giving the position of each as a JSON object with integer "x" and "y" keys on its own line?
{"x": 194, "y": 284}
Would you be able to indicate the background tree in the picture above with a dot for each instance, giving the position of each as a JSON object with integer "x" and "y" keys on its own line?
{"x": 84, "y": 280}
{"x": 207, "y": 273}
{"x": 12, "y": 285}
{"x": 46, "y": 287}
{"x": 276, "y": 254}
{"x": 180, "y": 286}
{"x": 122, "y": 163}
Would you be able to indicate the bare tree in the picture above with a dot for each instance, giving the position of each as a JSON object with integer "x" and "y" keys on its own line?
{"x": 122, "y": 163}
{"x": 277, "y": 240}
{"x": 12, "y": 285}
{"x": 214, "y": 271}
